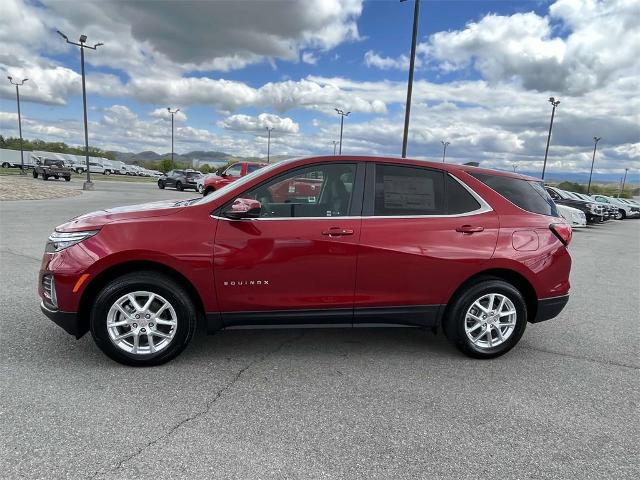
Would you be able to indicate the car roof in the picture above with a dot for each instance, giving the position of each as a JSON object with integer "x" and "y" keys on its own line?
{"x": 449, "y": 167}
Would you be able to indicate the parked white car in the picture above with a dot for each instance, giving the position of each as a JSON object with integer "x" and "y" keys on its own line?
{"x": 574, "y": 217}
{"x": 625, "y": 209}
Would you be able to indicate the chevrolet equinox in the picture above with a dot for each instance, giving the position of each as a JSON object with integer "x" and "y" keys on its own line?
{"x": 331, "y": 240}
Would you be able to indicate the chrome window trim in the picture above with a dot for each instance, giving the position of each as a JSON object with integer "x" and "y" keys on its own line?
{"x": 484, "y": 208}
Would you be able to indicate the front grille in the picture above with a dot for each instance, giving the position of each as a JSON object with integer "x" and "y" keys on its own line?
{"x": 49, "y": 291}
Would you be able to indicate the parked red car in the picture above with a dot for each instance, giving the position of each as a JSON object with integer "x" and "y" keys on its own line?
{"x": 232, "y": 173}
{"x": 339, "y": 240}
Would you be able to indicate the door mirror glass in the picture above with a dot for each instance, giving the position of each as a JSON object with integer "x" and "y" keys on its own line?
{"x": 243, "y": 208}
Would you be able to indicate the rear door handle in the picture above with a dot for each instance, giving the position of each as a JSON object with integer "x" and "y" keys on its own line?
{"x": 469, "y": 229}
{"x": 337, "y": 232}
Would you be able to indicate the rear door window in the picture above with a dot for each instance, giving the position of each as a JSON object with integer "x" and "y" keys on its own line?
{"x": 526, "y": 194}
{"x": 408, "y": 191}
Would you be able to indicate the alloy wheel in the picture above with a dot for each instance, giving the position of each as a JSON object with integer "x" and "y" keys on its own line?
{"x": 490, "y": 320}
{"x": 141, "y": 323}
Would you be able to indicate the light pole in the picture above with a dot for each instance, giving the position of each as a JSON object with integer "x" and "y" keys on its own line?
{"x": 335, "y": 144}
{"x": 624, "y": 180}
{"x": 172, "y": 113}
{"x": 555, "y": 103}
{"x": 595, "y": 144}
{"x": 515, "y": 165}
{"x": 88, "y": 185}
{"x": 444, "y": 148}
{"x": 18, "y": 85}
{"x": 412, "y": 62}
{"x": 269, "y": 143}
{"x": 342, "y": 115}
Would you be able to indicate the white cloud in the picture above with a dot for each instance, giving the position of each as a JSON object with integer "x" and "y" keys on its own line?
{"x": 372, "y": 59}
{"x": 259, "y": 124}
{"x": 196, "y": 35}
{"x": 601, "y": 46}
{"x": 310, "y": 58}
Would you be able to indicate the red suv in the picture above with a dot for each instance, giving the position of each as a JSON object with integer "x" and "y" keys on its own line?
{"x": 338, "y": 240}
{"x": 230, "y": 174}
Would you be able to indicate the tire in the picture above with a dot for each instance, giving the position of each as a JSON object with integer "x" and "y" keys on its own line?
{"x": 35, "y": 174}
{"x": 107, "y": 172}
{"x": 165, "y": 289}
{"x": 67, "y": 179}
{"x": 56, "y": 177}
{"x": 208, "y": 191}
{"x": 200, "y": 189}
{"x": 161, "y": 185}
{"x": 5, "y": 165}
{"x": 45, "y": 177}
{"x": 456, "y": 321}
{"x": 179, "y": 186}
{"x": 623, "y": 214}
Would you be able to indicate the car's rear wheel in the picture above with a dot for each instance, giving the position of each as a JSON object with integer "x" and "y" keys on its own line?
{"x": 179, "y": 186}
{"x": 142, "y": 319}
{"x": 67, "y": 179}
{"x": 107, "y": 172}
{"x": 623, "y": 214}
{"x": 487, "y": 319}
{"x": 208, "y": 191}
{"x": 5, "y": 165}
{"x": 45, "y": 176}
{"x": 35, "y": 174}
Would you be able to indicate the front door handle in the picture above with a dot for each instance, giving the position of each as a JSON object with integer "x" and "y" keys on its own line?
{"x": 469, "y": 229}
{"x": 337, "y": 232}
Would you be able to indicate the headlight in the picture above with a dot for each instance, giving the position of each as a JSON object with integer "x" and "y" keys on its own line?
{"x": 61, "y": 240}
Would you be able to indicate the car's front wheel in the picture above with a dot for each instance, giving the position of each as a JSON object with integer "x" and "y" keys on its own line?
{"x": 142, "y": 319}
{"x": 487, "y": 319}
{"x": 160, "y": 185}
{"x": 35, "y": 173}
{"x": 179, "y": 186}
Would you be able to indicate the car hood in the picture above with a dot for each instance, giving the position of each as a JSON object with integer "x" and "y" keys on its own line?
{"x": 102, "y": 217}
{"x": 213, "y": 178}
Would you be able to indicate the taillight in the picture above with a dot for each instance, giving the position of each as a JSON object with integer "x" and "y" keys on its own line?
{"x": 562, "y": 231}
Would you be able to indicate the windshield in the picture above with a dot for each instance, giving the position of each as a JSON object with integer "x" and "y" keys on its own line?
{"x": 242, "y": 181}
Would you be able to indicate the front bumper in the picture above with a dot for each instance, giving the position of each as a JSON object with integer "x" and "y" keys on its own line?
{"x": 69, "y": 321}
{"x": 549, "y": 308}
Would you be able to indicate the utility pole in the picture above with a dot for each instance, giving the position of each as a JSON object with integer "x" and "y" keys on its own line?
{"x": 335, "y": 144}
{"x": 624, "y": 180}
{"x": 88, "y": 185}
{"x": 412, "y": 62}
{"x": 342, "y": 115}
{"x": 595, "y": 144}
{"x": 445, "y": 144}
{"x": 515, "y": 165}
{"x": 269, "y": 143}
{"x": 18, "y": 85}
{"x": 555, "y": 103}
{"x": 172, "y": 113}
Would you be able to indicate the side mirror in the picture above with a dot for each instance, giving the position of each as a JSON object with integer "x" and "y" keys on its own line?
{"x": 243, "y": 208}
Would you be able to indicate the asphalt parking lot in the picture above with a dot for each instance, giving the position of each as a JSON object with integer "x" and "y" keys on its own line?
{"x": 328, "y": 403}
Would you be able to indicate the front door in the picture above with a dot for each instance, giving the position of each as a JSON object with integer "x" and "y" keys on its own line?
{"x": 296, "y": 263}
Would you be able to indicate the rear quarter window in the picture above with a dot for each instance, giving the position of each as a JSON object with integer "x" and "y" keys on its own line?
{"x": 526, "y": 194}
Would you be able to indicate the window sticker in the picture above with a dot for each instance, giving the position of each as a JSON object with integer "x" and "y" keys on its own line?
{"x": 402, "y": 192}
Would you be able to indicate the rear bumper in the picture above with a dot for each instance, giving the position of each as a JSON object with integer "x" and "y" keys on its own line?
{"x": 69, "y": 321}
{"x": 549, "y": 308}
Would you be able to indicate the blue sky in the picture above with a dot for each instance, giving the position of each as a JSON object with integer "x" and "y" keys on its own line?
{"x": 485, "y": 71}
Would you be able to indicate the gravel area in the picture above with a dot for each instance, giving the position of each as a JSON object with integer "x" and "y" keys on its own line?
{"x": 18, "y": 187}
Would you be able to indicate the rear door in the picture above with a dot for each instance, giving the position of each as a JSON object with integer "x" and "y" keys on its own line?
{"x": 422, "y": 231}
